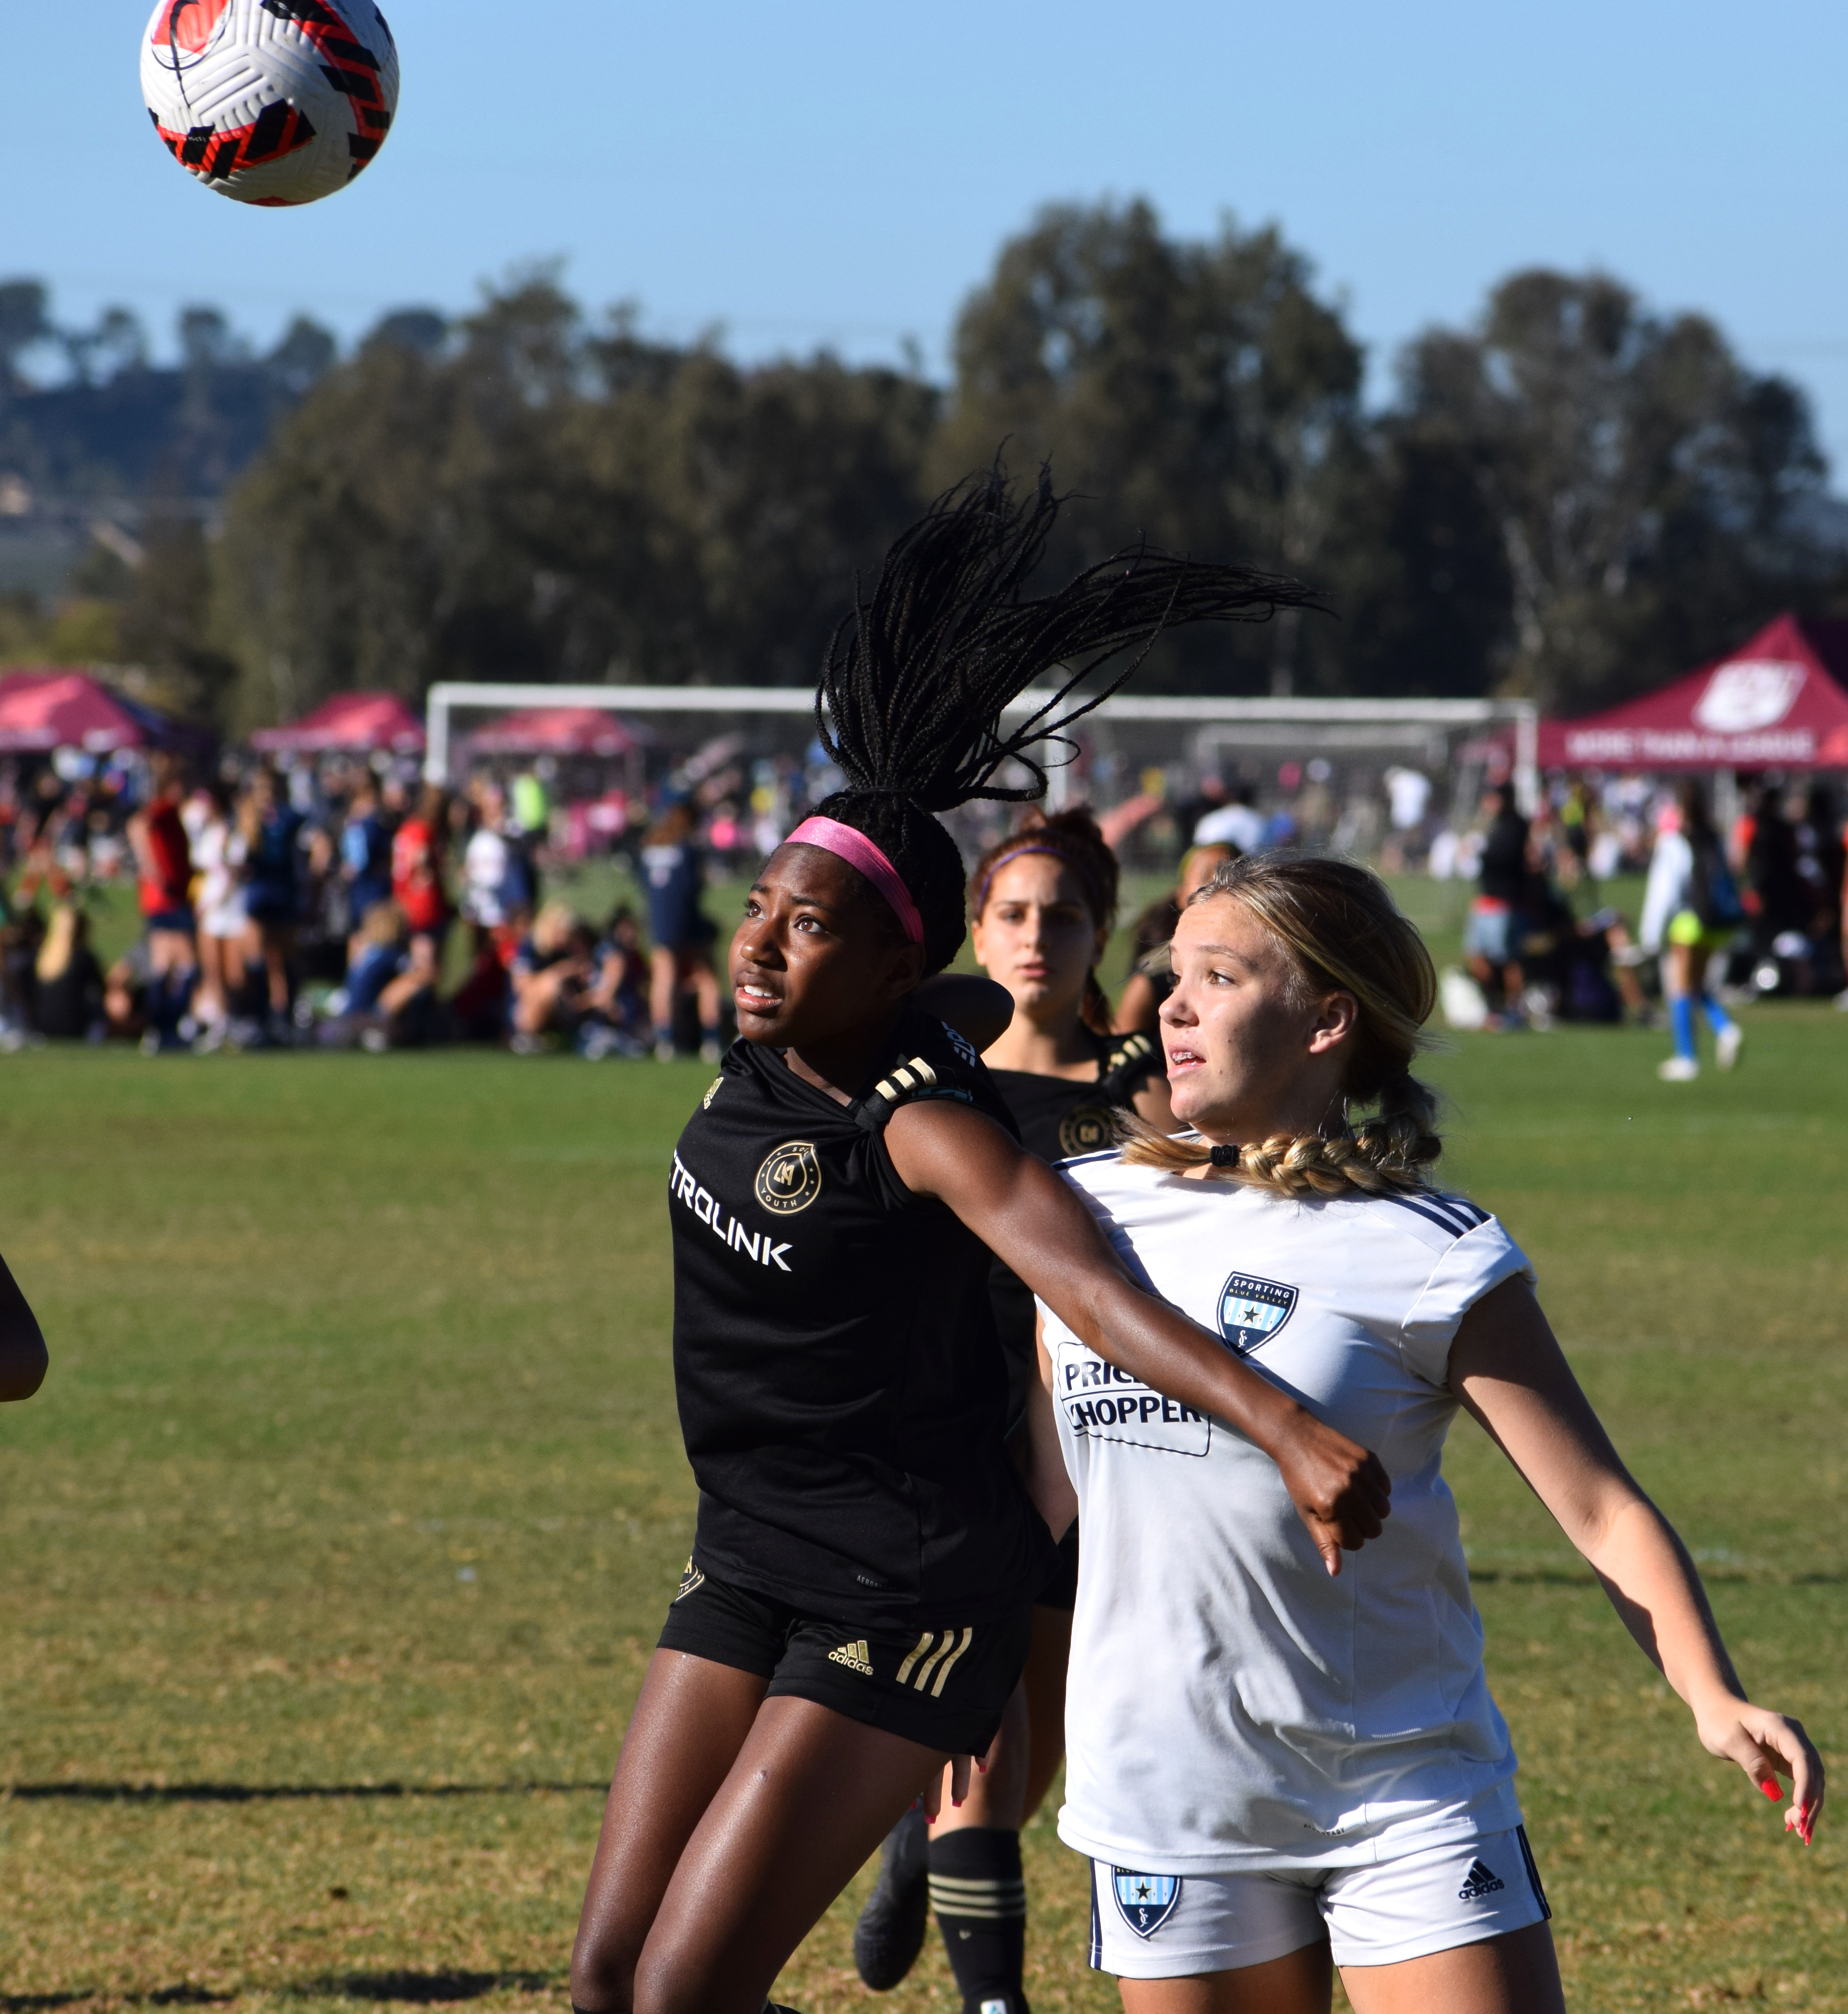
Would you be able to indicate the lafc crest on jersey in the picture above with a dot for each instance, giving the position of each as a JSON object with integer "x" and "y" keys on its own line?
{"x": 790, "y": 1178}
{"x": 1252, "y": 1311}
{"x": 1144, "y": 1901}
{"x": 1086, "y": 1129}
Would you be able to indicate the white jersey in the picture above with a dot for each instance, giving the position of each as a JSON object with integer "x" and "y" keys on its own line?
{"x": 1231, "y": 1707}
{"x": 1669, "y": 890}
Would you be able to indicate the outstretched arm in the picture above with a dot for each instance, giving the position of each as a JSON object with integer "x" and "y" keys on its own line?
{"x": 1031, "y": 1220}
{"x": 22, "y": 1357}
{"x": 1507, "y": 1367}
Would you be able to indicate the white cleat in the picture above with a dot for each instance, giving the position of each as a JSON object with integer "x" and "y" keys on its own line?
{"x": 1678, "y": 1069}
{"x": 1728, "y": 1043}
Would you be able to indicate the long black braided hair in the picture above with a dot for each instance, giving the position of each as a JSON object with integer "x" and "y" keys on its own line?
{"x": 917, "y": 677}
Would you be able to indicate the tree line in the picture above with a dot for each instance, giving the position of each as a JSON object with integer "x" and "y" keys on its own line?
{"x": 1573, "y": 497}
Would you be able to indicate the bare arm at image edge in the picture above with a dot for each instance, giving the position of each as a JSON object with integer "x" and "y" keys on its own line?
{"x": 1507, "y": 1368}
{"x": 23, "y": 1356}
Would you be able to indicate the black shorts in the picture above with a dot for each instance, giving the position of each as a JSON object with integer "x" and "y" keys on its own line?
{"x": 1060, "y": 1590}
{"x": 943, "y": 1687}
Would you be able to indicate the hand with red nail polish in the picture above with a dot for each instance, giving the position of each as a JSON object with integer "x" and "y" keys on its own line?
{"x": 955, "y": 1779}
{"x": 1767, "y": 1745}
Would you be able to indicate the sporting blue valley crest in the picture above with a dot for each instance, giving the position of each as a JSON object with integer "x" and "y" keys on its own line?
{"x": 1252, "y": 1311}
{"x": 1145, "y": 1901}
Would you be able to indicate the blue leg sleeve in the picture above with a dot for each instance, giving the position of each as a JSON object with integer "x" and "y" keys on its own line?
{"x": 1717, "y": 1019}
{"x": 1681, "y": 1016}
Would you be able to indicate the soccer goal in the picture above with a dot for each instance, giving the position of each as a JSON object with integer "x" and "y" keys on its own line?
{"x": 1128, "y": 734}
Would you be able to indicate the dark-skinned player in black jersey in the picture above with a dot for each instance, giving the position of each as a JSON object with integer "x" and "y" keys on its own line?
{"x": 1042, "y": 902}
{"x": 857, "y": 1610}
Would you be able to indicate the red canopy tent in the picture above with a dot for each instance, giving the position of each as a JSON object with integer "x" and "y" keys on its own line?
{"x": 555, "y": 730}
{"x": 355, "y": 723}
{"x": 1777, "y": 702}
{"x": 54, "y": 708}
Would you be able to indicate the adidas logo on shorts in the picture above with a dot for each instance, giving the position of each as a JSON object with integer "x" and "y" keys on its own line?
{"x": 1481, "y": 1880}
{"x": 857, "y": 1657}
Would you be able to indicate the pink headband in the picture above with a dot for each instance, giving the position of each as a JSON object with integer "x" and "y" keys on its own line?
{"x": 860, "y": 853}
{"x": 1014, "y": 853}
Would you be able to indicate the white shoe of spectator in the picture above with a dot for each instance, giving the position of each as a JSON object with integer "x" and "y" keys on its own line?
{"x": 1678, "y": 1069}
{"x": 1726, "y": 1045}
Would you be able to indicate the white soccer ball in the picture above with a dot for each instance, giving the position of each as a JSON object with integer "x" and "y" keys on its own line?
{"x": 272, "y": 101}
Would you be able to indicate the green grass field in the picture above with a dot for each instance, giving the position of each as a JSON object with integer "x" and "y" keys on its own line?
{"x": 332, "y": 1551}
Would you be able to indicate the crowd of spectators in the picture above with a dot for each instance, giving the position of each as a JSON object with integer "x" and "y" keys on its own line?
{"x": 337, "y": 907}
{"x": 340, "y": 905}
{"x": 1783, "y": 917}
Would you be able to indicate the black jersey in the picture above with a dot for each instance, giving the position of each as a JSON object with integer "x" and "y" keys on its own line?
{"x": 1060, "y": 1116}
{"x": 842, "y": 1392}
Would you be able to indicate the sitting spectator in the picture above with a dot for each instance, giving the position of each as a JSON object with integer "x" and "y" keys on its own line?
{"x": 380, "y": 951}
{"x": 365, "y": 854}
{"x": 21, "y": 933}
{"x": 551, "y": 974}
{"x": 616, "y": 1005}
{"x": 125, "y": 994}
{"x": 478, "y": 1007}
{"x": 67, "y": 981}
{"x": 389, "y": 1001}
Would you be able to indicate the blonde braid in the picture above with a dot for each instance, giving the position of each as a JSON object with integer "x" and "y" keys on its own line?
{"x": 1386, "y": 1156}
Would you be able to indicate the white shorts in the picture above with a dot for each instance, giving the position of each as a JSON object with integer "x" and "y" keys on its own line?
{"x": 1177, "y": 1927}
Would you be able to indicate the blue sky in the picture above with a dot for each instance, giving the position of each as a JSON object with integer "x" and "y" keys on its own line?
{"x": 805, "y": 174}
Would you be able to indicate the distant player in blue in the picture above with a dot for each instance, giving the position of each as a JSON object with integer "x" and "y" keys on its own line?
{"x": 674, "y": 875}
{"x": 1691, "y": 909}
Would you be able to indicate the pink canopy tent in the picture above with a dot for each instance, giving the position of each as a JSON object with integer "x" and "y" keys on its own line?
{"x": 52, "y": 708}
{"x": 1776, "y": 703}
{"x": 555, "y": 730}
{"x": 354, "y": 723}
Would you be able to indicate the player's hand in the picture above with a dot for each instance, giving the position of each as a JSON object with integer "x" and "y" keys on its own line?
{"x": 959, "y": 1772}
{"x": 1341, "y": 1492}
{"x": 1767, "y": 1745}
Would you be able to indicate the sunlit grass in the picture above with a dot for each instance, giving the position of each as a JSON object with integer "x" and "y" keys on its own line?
{"x": 331, "y": 1553}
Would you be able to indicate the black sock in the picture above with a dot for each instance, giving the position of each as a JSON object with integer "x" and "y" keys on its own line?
{"x": 980, "y": 1900}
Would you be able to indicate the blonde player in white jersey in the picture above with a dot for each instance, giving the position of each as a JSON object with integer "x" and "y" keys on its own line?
{"x": 1274, "y": 1772}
